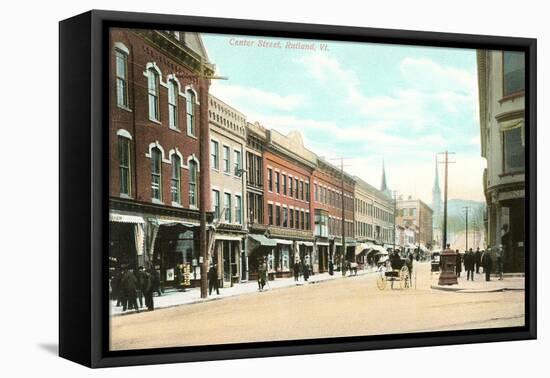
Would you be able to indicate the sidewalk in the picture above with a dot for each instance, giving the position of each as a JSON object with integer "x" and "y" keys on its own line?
{"x": 193, "y": 295}
{"x": 479, "y": 285}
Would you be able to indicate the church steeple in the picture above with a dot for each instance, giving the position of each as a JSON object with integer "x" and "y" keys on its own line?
{"x": 436, "y": 192}
{"x": 384, "y": 185}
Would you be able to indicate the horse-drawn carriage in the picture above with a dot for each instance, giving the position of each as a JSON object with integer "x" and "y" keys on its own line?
{"x": 395, "y": 269}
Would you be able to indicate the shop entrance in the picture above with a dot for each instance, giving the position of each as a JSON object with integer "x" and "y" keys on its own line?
{"x": 122, "y": 245}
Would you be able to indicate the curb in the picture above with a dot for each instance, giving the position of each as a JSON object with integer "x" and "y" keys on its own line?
{"x": 461, "y": 290}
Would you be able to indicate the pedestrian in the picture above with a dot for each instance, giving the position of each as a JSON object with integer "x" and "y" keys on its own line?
{"x": 458, "y": 263}
{"x": 149, "y": 288}
{"x": 409, "y": 263}
{"x": 477, "y": 260}
{"x": 487, "y": 263}
{"x": 296, "y": 269}
{"x": 330, "y": 268}
{"x": 500, "y": 261}
{"x": 130, "y": 284}
{"x": 116, "y": 286}
{"x": 155, "y": 278}
{"x": 262, "y": 275}
{"x": 140, "y": 275}
{"x": 212, "y": 276}
{"x": 469, "y": 262}
{"x": 305, "y": 271}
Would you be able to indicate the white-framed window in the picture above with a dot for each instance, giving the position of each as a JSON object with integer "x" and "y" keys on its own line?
{"x": 227, "y": 207}
{"x": 153, "y": 91}
{"x": 214, "y": 155}
{"x": 226, "y": 163}
{"x": 121, "y": 72}
{"x": 124, "y": 165}
{"x": 193, "y": 183}
{"x": 173, "y": 90}
{"x": 238, "y": 209}
{"x": 156, "y": 174}
{"x": 237, "y": 161}
{"x": 190, "y": 109}
{"x": 175, "y": 187}
{"x": 216, "y": 203}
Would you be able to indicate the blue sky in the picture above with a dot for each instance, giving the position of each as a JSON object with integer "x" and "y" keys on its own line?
{"x": 365, "y": 102}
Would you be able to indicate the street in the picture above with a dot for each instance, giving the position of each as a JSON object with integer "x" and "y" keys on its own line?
{"x": 347, "y": 306}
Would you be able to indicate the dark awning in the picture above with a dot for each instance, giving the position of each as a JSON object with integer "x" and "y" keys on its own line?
{"x": 263, "y": 240}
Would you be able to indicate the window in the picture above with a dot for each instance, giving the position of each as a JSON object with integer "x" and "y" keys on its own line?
{"x": 124, "y": 165}
{"x": 270, "y": 213}
{"x": 227, "y": 207}
{"x": 237, "y": 162}
{"x": 238, "y": 210}
{"x": 296, "y": 187}
{"x": 121, "y": 78}
{"x": 513, "y": 151}
{"x": 214, "y": 157}
{"x": 284, "y": 184}
{"x": 321, "y": 223}
{"x": 226, "y": 164}
{"x": 302, "y": 190}
{"x": 278, "y": 215}
{"x": 308, "y": 224}
{"x": 285, "y": 217}
{"x": 190, "y": 109}
{"x": 277, "y": 187}
{"x": 270, "y": 179}
{"x": 156, "y": 174}
{"x": 513, "y": 71}
{"x": 291, "y": 218}
{"x": 177, "y": 35}
{"x": 290, "y": 191}
{"x": 216, "y": 203}
{"x": 175, "y": 188}
{"x": 173, "y": 91}
{"x": 153, "y": 90}
{"x": 192, "y": 183}
{"x": 316, "y": 192}
{"x": 307, "y": 190}
{"x": 303, "y": 222}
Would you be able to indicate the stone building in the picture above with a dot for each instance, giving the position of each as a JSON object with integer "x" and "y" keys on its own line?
{"x": 227, "y": 177}
{"x": 417, "y": 215}
{"x": 158, "y": 114}
{"x": 501, "y": 83}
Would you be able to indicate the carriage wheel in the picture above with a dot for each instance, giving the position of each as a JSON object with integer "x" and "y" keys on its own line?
{"x": 404, "y": 278}
{"x": 381, "y": 281}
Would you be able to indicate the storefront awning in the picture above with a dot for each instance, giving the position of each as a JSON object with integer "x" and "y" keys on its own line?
{"x": 263, "y": 240}
{"x": 228, "y": 237}
{"x": 306, "y": 243}
{"x": 322, "y": 243}
{"x": 173, "y": 222}
{"x": 123, "y": 218}
{"x": 360, "y": 248}
{"x": 283, "y": 241}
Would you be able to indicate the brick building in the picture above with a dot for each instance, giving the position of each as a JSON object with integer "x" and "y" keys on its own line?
{"x": 158, "y": 112}
{"x": 327, "y": 209}
{"x": 286, "y": 237}
{"x": 415, "y": 214}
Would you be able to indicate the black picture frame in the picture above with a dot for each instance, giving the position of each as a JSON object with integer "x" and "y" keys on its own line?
{"x": 83, "y": 181}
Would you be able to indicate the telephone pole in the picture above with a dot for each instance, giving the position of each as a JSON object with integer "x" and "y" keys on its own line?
{"x": 446, "y": 162}
{"x": 394, "y": 215}
{"x": 344, "y": 251}
{"x": 466, "y": 208}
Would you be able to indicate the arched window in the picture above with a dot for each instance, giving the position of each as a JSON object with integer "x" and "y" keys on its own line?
{"x": 156, "y": 174}
{"x": 175, "y": 187}
{"x": 124, "y": 165}
{"x": 121, "y": 71}
{"x": 153, "y": 89}
{"x": 192, "y": 183}
{"x": 190, "y": 108}
{"x": 173, "y": 90}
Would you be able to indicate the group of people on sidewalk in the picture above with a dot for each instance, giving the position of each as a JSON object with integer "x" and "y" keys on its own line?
{"x": 480, "y": 258}
{"x": 128, "y": 287}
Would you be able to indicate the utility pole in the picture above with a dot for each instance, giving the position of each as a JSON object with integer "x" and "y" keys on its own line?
{"x": 394, "y": 213}
{"x": 344, "y": 252}
{"x": 467, "y": 208}
{"x": 446, "y": 162}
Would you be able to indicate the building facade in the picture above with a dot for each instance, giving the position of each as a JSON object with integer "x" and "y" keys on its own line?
{"x": 228, "y": 189}
{"x": 158, "y": 102}
{"x": 501, "y": 79}
{"x": 416, "y": 215}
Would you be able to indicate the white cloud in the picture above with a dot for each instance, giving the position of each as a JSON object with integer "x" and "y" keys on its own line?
{"x": 250, "y": 97}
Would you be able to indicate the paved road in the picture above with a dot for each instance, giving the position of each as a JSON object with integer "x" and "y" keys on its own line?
{"x": 345, "y": 307}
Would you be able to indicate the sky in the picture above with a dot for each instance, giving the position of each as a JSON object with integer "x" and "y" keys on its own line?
{"x": 371, "y": 104}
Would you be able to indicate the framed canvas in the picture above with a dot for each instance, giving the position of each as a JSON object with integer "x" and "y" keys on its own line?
{"x": 236, "y": 188}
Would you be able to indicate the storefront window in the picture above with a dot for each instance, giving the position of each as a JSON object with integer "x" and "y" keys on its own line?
{"x": 285, "y": 258}
{"x": 513, "y": 151}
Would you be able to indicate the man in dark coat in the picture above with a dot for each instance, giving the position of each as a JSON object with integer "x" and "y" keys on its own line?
{"x": 130, "y": 285}
{"x": 469, "y": 262}
{"x": 477, "y": 260}
{"x": 487, "y": 263}
{"x": 305, "y": 272}
{"x": 140, "y": 275}
{"x": 330, "y": 268}
{"x": 149, "y": 289}
{"x": 296, "y": 270}
{"x": 155, "y": 278}
{"x": 458, "y": 267}
{"x": 213, "y": 280}
{"x": 262, "y": 274}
